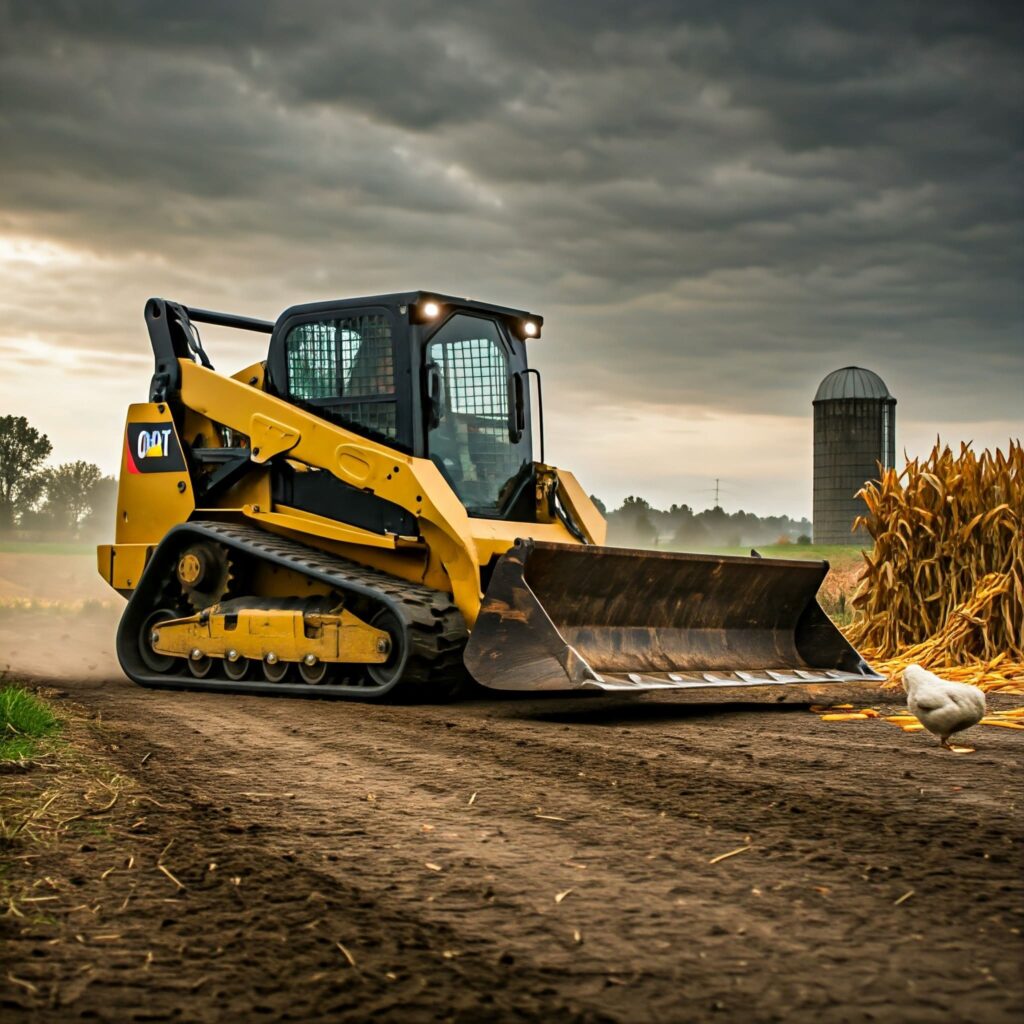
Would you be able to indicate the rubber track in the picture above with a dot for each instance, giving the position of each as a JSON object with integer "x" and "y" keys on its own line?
{"x": 435, "y": 628}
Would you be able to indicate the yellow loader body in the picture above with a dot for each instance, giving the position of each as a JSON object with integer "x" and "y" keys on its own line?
{"x": 410, "y": 526}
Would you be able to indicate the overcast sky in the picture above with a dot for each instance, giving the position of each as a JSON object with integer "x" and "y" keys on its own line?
{"x": 712, "y": 204}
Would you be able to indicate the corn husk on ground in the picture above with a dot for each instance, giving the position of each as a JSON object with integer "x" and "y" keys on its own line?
{"x": 944, "y": 584}
{"x": 905, "y": 721}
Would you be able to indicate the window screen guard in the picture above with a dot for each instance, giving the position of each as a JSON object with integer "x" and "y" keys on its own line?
{"x": 345, "y": 367}
{"x": 471, "y": 441}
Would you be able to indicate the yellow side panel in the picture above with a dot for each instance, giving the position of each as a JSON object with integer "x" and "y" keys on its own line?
{"x": 154, "y": 492}
{"x": 105, "y": 562}
{"x": 121, "y": 565}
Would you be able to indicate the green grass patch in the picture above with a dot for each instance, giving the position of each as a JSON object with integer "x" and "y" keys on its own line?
{"x": 833, "y": 553}
{"x": 24, "y": 721}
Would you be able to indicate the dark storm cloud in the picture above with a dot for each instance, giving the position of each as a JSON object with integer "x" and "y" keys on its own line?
{"x": 742, "y": 194}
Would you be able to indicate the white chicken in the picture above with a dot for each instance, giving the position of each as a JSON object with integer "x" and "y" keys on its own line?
{"x": 940, "y": 706}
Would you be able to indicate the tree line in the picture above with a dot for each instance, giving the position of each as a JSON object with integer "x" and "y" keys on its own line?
{"x": 636, "y": 523}
{"x": 74, "y": 500}
{"x": 69, "y": 501}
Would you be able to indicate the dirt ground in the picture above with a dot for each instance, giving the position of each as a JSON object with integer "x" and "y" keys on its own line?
{"x": 510, "y": 860}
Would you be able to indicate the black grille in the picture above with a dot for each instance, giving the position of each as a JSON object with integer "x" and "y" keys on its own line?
{"x": 476, "y": 378}
{"x": 472, "y": 439}
{"x": 366, "y": 356}
{"x": 346, "y": 368}
{"x": 314, "y": 370}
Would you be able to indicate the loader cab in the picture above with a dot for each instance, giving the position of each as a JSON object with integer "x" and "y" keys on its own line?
{"x": 430, "y": 375}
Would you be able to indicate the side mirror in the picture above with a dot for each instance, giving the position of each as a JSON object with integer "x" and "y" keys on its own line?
{"x": 435, "y": 396}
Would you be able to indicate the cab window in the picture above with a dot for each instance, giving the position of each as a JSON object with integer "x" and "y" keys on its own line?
{"x": 470, "y": 442}
{"x": 345, "y": 369}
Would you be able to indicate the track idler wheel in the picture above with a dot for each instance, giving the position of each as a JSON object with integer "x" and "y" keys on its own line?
{"x": 387, "y": 672}
{"x": 164, "y": 664}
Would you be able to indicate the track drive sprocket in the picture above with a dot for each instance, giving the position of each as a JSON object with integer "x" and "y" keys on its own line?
{"x": 204, "y": 571}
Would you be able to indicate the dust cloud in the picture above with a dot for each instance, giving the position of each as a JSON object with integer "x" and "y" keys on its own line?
{"x": 58, "y": 618}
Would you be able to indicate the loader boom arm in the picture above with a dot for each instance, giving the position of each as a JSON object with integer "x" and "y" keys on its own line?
{"x": 275, "y": 427}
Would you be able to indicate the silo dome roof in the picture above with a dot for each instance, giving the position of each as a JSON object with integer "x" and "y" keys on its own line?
{"x": 851, "y": 382}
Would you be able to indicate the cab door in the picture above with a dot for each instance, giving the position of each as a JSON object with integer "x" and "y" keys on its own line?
{"x": 478, "y": 422}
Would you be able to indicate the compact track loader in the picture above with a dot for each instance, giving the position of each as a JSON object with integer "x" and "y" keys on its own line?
{"x": 360, "y": 515}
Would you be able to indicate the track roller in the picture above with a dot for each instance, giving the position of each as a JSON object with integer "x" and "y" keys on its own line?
{"x": 236, "y": 668}
{"x": 274, "y": 669}
{"x": 313, "y": 671}
{"x": 199, "y": 664}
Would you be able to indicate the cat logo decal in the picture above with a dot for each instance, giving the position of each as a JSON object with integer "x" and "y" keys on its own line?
{"x": 153, "y": 448}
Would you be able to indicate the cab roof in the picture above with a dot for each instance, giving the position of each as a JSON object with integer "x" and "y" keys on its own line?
{"x": 397, "y": 299}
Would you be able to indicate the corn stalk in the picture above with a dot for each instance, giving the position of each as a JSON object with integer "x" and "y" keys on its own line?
{"x": 944, "y": 582}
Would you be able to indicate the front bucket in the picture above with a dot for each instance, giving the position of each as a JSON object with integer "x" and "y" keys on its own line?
{"x": 566, "y": 617}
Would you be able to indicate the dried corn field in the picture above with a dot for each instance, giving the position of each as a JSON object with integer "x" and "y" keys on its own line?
{"x": 944, "y": 584}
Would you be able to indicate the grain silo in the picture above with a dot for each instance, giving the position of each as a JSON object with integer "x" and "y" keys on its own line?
{"x": 854, "y": 431}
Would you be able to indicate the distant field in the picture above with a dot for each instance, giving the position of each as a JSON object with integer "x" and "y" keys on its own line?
{"x": 836, "y": 555}
{"x": 839, "y": 556}
{"x": 50, "y": 574}
{"x": 28, "y": 547}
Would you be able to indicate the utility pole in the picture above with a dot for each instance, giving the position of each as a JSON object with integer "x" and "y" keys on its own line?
{"x": 717, "y": 504}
